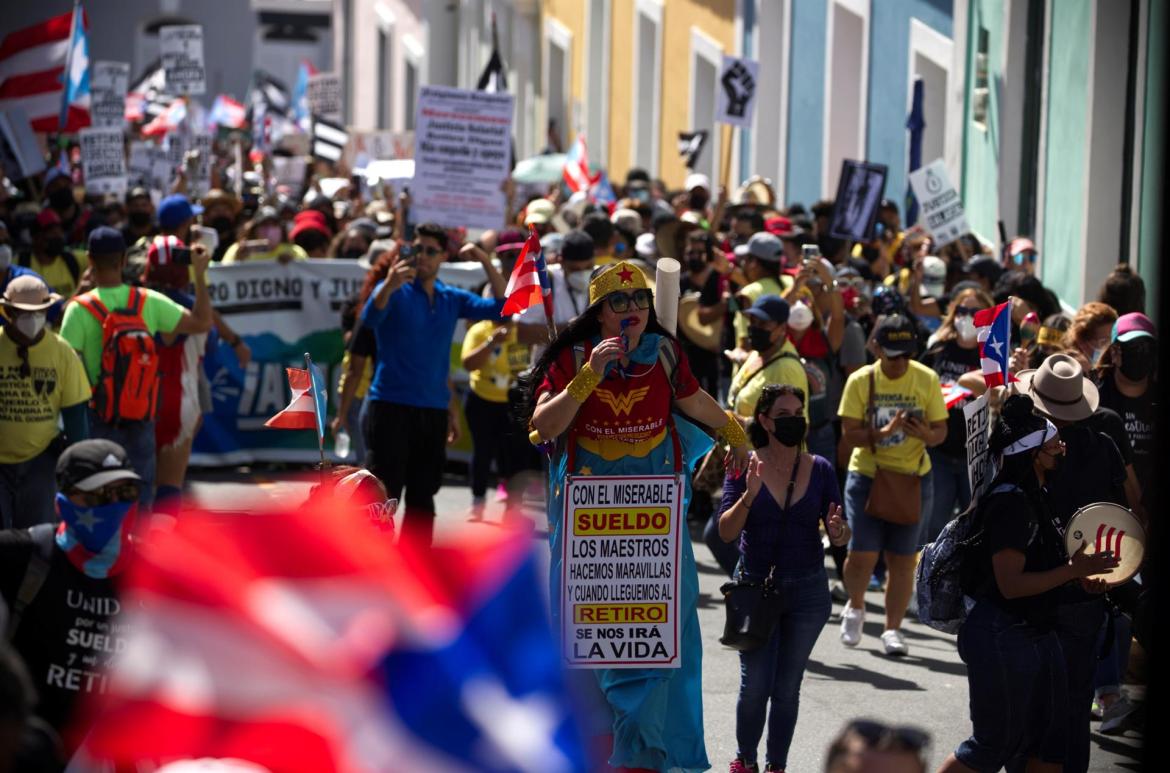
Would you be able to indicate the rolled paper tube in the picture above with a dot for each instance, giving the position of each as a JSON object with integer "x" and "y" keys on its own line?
{"x": 666, "y": 293}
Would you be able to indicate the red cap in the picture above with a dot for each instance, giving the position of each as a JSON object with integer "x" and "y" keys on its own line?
{"x": 779, "y": 226}
{"x": 47, "y": 217}
{"x": 159, "y": 252}
{"x": 303, "y": 224}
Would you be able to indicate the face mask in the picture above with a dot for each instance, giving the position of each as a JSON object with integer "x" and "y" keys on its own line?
{"x": 55, "y": 245}
{"x": 139, "y": 219}
{"x": 1136, "y": 364}
{"x": 30, "y": 324}
{"x": 789, "y": 430}
{"x": 800, "y": 317}
{"x": 965, "y": 328}
{"x": 94, "y": 527}
{"x": 695, "y": 265}
{"x": 5, "y": 256}
{"x": 271, "y": 234}
{"x": 62, "y": 198}
{"x": 759, "y": 339}
{"x": 578, "y": 280}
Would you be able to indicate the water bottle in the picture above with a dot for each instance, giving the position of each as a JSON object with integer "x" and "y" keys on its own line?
{"x": 341, "y": 444}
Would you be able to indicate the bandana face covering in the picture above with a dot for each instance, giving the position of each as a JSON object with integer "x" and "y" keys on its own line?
{"x": 95, "y": 539}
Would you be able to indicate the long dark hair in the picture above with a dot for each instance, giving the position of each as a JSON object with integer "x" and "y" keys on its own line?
{"x": 1017, "y": 419}
{"x": 768, "y": 397}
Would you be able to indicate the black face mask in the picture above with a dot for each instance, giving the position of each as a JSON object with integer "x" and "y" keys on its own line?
{"x": 695, "y": 265}
{"x": 697, "y": 200}
{"x": 222, "y": 224}
{"x": 54, "y": 245}
{"x": 139, "y": 218}
{"x": 61, "y": 199}
{"x": 760, "y": 339}
{"x": 789, "y": 430}
{"x": 1136, "y": 363}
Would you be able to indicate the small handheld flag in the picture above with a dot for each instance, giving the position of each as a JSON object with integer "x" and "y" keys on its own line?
{"x": 301, "y": 412}
{"x": 576, "y": 169}
{"x": 529, "y": 282}
{"x": 994, "y": 331}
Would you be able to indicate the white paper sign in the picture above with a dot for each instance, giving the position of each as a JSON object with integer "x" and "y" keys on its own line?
{"x": 619, "y": 573}
{"x": 181, "y": 48}
{"x": 108, "y": 82}
{"x": 462, "y": 147}
{"x": 198, "y": 160}
{"x": 324, "y": 95}
{"x": 141, "y": 166}
{"x": 290, "y": 172}
{"x": 939, "y": 202}
{"x": 103, "y": 160}
{"x": 738, "y": 86}
{"x": 977, "y": 415}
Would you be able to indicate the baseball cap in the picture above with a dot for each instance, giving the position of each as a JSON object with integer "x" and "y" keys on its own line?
{"x": 627, "y": 219}
{"x": 90, "y": 464}
{"x": 539, "y": 212}
{"x": 28, "y": 292}
{"x": 1020, "y": 245}
{"x": 159, "y": 253}
{"x": 305, "y": 224}
{"x": 783, "y": 227}
{"x": 137, "y": 192}
{"x": 577, "y": 246}
{"x": 266, "y": 215}
{"x": 174, "y": 210}
{"x": 934, "y": 271}
{"x": 769, "y": 308}
{"x": 984, "y": 265}
{"x": 511, "y": 240}
{"x": 697, "y": 180}
{"x": 552, "y": 243}
{"x": 762, "y": 246}
{"x": 646, "y": 246}
{"x": 1131, "y": 326}
{"x": 105, "y": 240}
{"x": 896, "y": 336}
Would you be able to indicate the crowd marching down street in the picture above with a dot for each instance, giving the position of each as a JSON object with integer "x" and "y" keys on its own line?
{"x": 821, "y": 397}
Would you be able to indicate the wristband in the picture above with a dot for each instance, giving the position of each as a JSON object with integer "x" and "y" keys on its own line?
{"x": 733, "y": 432}
{"x": 583, "y": 384}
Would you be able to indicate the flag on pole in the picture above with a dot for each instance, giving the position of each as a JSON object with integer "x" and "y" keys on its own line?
{"x": 690, "y": 145}
{"x": 228, "y": 113}
{"x": 576, "y": 170}
{"x": 147, "y": 98}
{"x": 44, "y": 70}
{"x": 916, "y": 125}
{"x": 320, "y": 397}
{"x": 302, "y": 410}
{"x": 601, "y": 191}
{"x": 529, "y": 283}
{"x": 994, "y": 331}
{"x": 953, "y": 394}
{"x": 168, "y": 120}
{"x": 304, "y": 640}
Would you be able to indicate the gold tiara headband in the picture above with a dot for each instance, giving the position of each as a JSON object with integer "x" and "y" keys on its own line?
{"x": 619, "y": 276}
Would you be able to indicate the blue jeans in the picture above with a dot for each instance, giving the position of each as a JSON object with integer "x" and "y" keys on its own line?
{"x": 872, "y": 534}
{"x": 726, "y": 553}
{"x": 775, "y": 670}
{"x": 28, "y": 490}
{"x": 137, "y": 439}
{"x": 952, "y": 490}
{"x": 1017, "y": 690}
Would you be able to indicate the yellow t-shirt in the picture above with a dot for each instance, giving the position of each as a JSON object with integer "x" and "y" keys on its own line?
{"x": 508, "y": 360}
{"x": 363, "y": 382}
{"x": 29, "y": 407}
{"x": 285, "y": 250}
{"x": 917, "y": 389}
{"x": 57, "y": 275}
{"x": 769, "y": 285}
{"x": 750, "y": 380}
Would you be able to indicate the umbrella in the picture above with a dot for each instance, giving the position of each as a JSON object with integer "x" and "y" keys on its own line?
{"x": 548, "y": 168}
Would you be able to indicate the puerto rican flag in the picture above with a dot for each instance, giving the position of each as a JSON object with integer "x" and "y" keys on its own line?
{"x": 168, "y": 120}
{"x": 228, "y": 113}
{"x": 529, "y": 283}
{"x": 306, "y": 410}
{"x": 576, "y": 170}
{"x": 44, "y": 70}
{"x": 306, "y": 641}
{"x": 994, "y": 332}
{"x": 953, "y": 394}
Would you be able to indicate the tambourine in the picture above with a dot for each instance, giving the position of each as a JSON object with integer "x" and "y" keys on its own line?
{"x": 1106, "y": 526}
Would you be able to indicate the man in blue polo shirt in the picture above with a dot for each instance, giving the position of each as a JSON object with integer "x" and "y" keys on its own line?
{"x": 413, "y": 316}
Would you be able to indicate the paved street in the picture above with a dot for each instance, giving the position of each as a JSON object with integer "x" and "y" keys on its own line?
{"x": 928, "y": 688}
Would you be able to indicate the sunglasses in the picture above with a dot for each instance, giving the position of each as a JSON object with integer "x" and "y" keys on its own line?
{"x": 122, "y": 491}
{"x": 965, "y": 311}
{"x": 619, "y": 303}
{"x": 881, "y": 736}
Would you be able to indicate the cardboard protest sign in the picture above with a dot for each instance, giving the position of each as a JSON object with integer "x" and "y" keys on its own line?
{"x": 859, "y": 193}
{"x": 977, "y": 414}
{"x": 738, "y": 81}
{"x": 181, "y": 49}
{"x": 103, "y": 160}
{"x": 939, "y": 202}
{"x": 108, "y": 82}
{"x": 324, "y": 95}
{"x": 619, "y": 573}
{"x": 19, "y": 152}
{"x": 462, "y": 154}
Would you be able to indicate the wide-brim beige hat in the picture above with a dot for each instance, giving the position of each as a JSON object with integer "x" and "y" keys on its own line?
{"x": 1059, "y": 388}
{"x": 29, "y": 293}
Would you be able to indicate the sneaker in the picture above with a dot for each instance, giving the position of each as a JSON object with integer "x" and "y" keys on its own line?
{"x": 739, "y": 766}
{"x": 851, "y": 620}
{"x": 838, "y": 593}
{"x": 894, "y": 643}
{"x": 1113, "y": 720}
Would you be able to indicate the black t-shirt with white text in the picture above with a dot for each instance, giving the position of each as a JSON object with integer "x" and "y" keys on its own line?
{"x": 949, "y": 361}
{"x": 1137, "y": 417}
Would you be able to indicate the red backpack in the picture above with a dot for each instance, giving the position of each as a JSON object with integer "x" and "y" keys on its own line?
{"x": 127, "y": 386}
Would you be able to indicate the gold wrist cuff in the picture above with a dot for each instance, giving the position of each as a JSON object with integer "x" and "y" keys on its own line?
{"x": 733, "y": 432}
{"x": 583, "y": 384}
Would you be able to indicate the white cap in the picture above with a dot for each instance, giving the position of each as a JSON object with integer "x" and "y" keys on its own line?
{"x": 696, "y": 180}
{"x": 934, "y": 276}
{"x": 646, "y": 246}
{"x": 628, "y": 219}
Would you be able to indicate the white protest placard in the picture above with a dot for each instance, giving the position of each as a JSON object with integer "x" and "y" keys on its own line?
{"x": 619, "y": 573}
{"x": 289, "y": 172}
{"x": 324, "y": 95}
{"x": 462, "y": 150}
{"x": 103, "y": 160}
{"x": 181, "y": 48}
{"x": 108, "y": 82}
{"x": 939, "y": 202}
{"x": 141, "y": 166}
{"x": 738, "y": 82}
{"x": 977, "y": 415}
{"x": 198, "y": 158}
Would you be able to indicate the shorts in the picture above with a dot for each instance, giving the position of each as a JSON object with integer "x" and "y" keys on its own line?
{"x": 872, "y": 534}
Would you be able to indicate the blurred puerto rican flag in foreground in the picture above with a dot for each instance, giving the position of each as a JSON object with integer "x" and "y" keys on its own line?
{"x": 306, "y": 641}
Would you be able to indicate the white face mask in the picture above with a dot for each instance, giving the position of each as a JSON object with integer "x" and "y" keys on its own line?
{"x": 578, "y": 280}
{"x": 800, "y": 317}
{"x": 30, "y": 324}
{"x": 965, "y": 328}
{"x": 5, "y": 255}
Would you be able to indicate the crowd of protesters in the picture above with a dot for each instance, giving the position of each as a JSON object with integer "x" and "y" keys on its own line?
{"x": 834, "y": 354}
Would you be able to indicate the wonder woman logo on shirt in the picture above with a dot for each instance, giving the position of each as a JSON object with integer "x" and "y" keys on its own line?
{"x": 622, "y": 403}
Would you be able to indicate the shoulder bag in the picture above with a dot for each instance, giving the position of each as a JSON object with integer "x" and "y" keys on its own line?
{"x": 895, "y": 497}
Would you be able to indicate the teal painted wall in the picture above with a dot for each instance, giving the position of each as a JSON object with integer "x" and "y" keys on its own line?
{"x": 1153, "y": 159}
{"x": 1065, "y": 150}
{"x": 980, "y": 163}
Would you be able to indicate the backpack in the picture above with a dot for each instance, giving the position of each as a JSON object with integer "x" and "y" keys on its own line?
{"x": 127, "y": 386}
{"x": 819, "y": 411}
{"x": 948, "y": 570}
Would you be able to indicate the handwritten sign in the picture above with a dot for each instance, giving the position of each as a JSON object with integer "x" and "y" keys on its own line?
{"x": 977, "y": 415}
